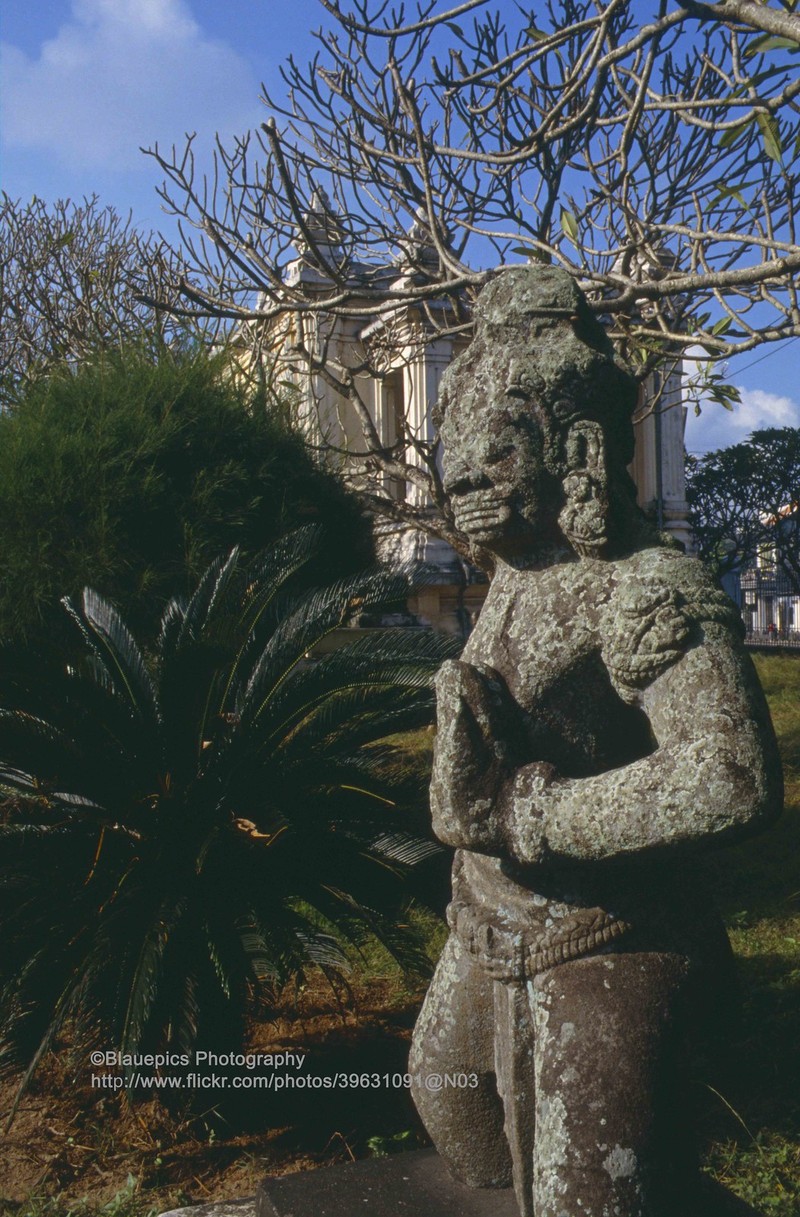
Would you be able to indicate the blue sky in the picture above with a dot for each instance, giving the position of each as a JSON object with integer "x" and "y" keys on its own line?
{"x": 86, "y": 82}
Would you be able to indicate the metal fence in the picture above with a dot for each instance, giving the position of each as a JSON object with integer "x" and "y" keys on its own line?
{"x": 773, "y": 639}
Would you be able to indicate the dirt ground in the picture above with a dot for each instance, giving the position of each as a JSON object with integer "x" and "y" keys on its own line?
{"x": 71, "y": 1141}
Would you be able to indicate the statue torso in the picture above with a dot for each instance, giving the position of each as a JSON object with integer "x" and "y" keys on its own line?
{"x": 576, "y": 643}
{"x": 548, "y": 634}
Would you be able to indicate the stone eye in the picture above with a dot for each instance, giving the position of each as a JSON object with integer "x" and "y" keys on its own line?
{"x": 500, "y": 453}
{"x": 524, "y": 382}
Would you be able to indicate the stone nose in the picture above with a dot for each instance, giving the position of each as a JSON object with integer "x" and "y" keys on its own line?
{"x": 461, "y": 479}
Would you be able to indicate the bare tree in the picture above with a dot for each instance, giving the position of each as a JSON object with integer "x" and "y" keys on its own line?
{"x": 71, "y": 278}
{"x": 651, "y": 150}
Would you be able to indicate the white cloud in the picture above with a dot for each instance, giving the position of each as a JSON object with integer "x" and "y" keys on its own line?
{"x": 717, "y": 427}
{"x": 120, "y": 74}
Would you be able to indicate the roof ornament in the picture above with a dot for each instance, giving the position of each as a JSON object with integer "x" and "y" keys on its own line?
{"x": 321, "y": 233}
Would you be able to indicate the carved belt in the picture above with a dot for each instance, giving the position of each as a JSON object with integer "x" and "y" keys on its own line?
{"x": 517, "y": 954}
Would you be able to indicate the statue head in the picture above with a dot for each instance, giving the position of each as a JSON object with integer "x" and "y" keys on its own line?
{"x": 535, "y": 418}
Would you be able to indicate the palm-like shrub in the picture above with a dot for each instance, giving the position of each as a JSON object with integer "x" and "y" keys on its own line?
{"x": 193, "y": 829}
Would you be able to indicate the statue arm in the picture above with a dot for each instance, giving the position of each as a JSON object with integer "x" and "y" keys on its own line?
{"x": 715, "y": 772}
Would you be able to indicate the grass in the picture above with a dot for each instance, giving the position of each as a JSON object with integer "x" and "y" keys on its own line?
{"x": 101, "y": 1158}
{"x": 127, "y": 1202}
{"x": 753, "y": 1125}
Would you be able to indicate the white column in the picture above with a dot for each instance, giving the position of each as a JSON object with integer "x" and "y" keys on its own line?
{"x": 658, "y": 466}
{"x": 421, "y": 378}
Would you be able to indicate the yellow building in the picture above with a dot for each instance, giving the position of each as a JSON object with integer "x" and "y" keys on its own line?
{"x": 405, "y": 356}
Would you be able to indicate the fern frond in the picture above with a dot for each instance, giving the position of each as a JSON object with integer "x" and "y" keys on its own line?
{"x": 126, "y": 664}
{"x": 144, "y": 983}
{"x": 210, "y": 590}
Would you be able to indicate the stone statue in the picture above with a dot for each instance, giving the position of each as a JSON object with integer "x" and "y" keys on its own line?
{"x": 603, "y": 725}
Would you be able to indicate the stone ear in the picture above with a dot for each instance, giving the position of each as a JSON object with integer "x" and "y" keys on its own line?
{"x": 584, "y": 517}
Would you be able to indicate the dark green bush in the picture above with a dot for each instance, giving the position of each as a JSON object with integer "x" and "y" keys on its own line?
{"x": 131, "y": 476}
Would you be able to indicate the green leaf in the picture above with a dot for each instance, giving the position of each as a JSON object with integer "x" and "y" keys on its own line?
{"x": 721, "y": 327}
{"x": 144, "y": 982}
{"x": 771, "y": 42}
{"x": 570, "y": 226}
{"x": 120, "y": 654}
{"x": 768, "y": 74}
{"x": 734, "y": 134}
{"x": 457, "y": 30}
{"x": 730, "y": 192}
{"x": 770, "y": 132}
{"x": 531, "y": 31}
{"x": 524, "y": 251}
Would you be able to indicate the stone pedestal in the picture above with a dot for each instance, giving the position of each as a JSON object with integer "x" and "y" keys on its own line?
{"x": 245, "y": 1207}
{"x": 413, "y": 1184}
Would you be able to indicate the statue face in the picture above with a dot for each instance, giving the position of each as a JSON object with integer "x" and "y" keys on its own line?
{"x": 493, "y": 464}
{"x": 535, "y": 422}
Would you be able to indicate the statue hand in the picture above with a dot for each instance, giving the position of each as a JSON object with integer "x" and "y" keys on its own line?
{"x": 471, "y": 761}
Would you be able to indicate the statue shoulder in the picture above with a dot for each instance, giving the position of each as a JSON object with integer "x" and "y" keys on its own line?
{"x": 661, "y": 600}
{"x": 695, "y": 589}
